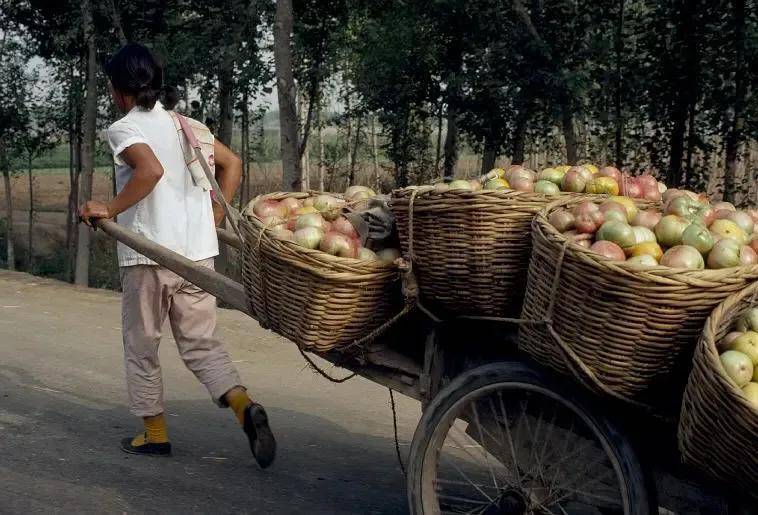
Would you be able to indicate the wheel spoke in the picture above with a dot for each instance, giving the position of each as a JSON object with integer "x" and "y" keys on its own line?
{"x": 464, "y": 499}
{"x": 464, "y": 476}
{"x": 481, "y": 441}
{"x": 563, "y": 452}
{"x": 569, "y": 491}
{"x": 548, "y": 437}
{"x": 537, "y": 465}
{"x": 605, "y": 499}
{"x": 502, "y": 447}
{"x": 516, "y": 470}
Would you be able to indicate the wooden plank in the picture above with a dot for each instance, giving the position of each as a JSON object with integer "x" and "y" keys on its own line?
{"x": 381, "y": 355}
{"x": 218, "y": 285}
{"x": 382, "y": 370}
{"x": 228, "y": 237}
{"x": 430, "y": 381}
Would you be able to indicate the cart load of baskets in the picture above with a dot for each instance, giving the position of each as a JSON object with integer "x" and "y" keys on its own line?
{"x": 610, "y": 278}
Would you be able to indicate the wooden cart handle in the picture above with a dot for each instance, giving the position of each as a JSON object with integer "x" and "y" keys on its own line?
{"x": 218, "y": 285}
{"x": 228, "y": 237}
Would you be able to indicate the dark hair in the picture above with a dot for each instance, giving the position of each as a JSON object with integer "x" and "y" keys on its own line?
{"x": 134, "y": 70}
{"x": 170, "y": 97}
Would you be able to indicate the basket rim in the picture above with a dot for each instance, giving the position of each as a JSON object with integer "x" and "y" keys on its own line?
{"x": 708, "y": 339}
{"x": 313, "y": 254}
{"x": 427, "y": 191}
{"x": 542, "y": 227}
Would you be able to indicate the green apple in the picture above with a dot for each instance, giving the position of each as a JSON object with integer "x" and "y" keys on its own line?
{"x": 748, "y": 321}
{"x": 751, "y": 392}
{"x": 698, "y": 236}
{"x": 748, "y": 345}
{"x": 738, "y": 366}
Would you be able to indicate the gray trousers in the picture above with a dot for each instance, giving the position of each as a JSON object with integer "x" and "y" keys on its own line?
{"x": 152, "y": 293}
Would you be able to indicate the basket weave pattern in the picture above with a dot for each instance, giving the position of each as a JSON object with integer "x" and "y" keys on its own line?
{"x": 629, "y": 330}
{"x": 319, "y": 301}
{"x": 718, "y": 428}
{"x": 470, "y": 248}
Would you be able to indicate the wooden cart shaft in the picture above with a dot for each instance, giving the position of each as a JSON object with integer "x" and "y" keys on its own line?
{"x": 209, "y": 280}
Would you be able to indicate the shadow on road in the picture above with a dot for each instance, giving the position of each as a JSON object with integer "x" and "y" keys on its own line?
{"x": 59, "y": 452}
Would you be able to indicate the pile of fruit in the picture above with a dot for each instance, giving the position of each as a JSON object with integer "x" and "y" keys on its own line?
{"x": 690, "y": 233}
{"x": 317, "y": 222}
{"x": 739, "y": 355}
{"x": 586, "y": 178}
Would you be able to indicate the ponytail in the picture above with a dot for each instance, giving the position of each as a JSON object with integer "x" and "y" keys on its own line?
{"x": 169, "y": 97}
{"x": 146, "y": 98}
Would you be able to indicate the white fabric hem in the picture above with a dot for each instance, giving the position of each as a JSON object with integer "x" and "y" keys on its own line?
{"x": 128, "y": 142}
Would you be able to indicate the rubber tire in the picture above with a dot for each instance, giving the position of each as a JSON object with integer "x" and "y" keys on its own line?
{"x": 509, "y": 372}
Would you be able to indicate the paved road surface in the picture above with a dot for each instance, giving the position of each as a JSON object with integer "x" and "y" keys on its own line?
{"x": 63, "y": 409}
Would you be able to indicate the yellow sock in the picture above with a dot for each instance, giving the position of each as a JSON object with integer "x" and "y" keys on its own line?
{"x": 155, "y": 431}
{"x": 238, "y": 400}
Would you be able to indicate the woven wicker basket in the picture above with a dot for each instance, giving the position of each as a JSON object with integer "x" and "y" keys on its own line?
{"x": 718, "y": 429}
{"x": 470, "y": 248}
{"x": 624, "y": 330}
{"x": 319, "y": 301}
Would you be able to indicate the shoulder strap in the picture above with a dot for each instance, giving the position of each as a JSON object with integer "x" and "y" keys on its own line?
{"x": 231, "y": 214}
{"x": 193, "y": 165}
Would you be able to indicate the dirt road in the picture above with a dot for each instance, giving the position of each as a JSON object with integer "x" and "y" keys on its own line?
{"x": 63, "y": 409}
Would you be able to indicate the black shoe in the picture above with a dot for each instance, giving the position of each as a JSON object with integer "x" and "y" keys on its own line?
{"x": 148, "y": 449}
{"x": 262, "y": 442}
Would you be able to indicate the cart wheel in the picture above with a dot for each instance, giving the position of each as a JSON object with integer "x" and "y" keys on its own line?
{"x": 500, "y": 439}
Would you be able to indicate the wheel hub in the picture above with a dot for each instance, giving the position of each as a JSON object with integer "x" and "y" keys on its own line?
{"x": 511, "y": 502}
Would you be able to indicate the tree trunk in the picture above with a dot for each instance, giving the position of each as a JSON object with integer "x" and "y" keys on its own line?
{"x": 354, "y": 152}
{"x": 676, "y": 145}
{"x": 400, "y": 151}
{"x": 438, "y": 154}
{"x": 70, "y": 204}
{"x": 313, "y": 98}
{"x": 73, "y": 168}
{"x": 349, "y": 135}
{"x": 619, "y": 83}
{"x": 303, "y": 150}
{"x": 81, "y": 275}
{"x": 737, "y": 120}
{"x": 519, "y": 133}
{"x": 73, "y": 182}
{"x": 285, "y": 83}
{"x": 686, "y": 87}
{"x": 9, "y": 249}
{"x": 691, "y": 137}
{"x": 321, "y": 164}
{"x": 116, "y": 17}
{"x": 490, "y": 154}
{"x": 245, "y": 148}
{"x": 226, "y": 104}
{"x": 30, "y": 237}
{"x": 375, "y": 152}
{"x": 305, "y": 164}
{"x": 569, "y": 134}
{"x": 224, "y": 135}
{"x": 451, "y": 144}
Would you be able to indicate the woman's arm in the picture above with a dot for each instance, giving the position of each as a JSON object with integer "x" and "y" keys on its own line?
{"x": 228, "y": 175}
{"x": 147, "y": 171}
